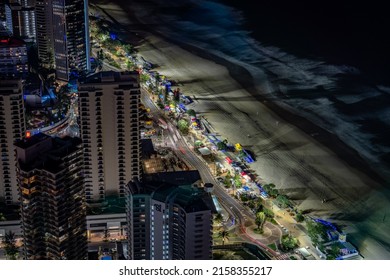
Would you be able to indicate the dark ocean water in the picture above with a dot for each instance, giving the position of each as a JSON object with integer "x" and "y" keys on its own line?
{"x": 327, "y": 61}
{"x": 337, "y": 31}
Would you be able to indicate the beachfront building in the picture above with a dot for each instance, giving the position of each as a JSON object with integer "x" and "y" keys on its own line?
{"x": 12, "y": 128}
{"x": 13, "y": 57}
{"x": 109, "y": 126}
{"x": 70, "y": 29}
{"x": 52, "y": 197}
{"x": 20, "y": 19}
{"x": 168, "y": 222}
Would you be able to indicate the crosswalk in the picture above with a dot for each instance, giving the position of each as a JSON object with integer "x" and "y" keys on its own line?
{"x": 283, "y": 257}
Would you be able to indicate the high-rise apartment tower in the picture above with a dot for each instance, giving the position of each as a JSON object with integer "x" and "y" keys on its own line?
{"x": 109, "y": 126}
{"x": 52, "y": 197}
{"x": 12, "y": 128}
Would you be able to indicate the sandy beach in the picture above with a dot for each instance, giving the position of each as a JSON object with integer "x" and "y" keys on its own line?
{"x": 303, "y": 161}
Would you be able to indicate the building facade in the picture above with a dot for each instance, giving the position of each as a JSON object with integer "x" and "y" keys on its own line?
{"x": 2, "y": 11}
{"x": 70, "y": 37}
{"x": 13, "y": 57}
{"x": 44, "y": 30}
{"x": 138, "y": 221}
{"x": 109, "y": 127}
{"x": 52, "y": 197}
{"x": 169, "y": 222}
{"x": 20, "y": 19}
{"x": 12, "y": 128}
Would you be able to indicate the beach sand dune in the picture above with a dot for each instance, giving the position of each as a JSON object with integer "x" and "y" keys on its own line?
{"x": 296, "y": 162}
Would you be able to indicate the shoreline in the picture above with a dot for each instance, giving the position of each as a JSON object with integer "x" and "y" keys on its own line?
{"x": 241, "y": 75}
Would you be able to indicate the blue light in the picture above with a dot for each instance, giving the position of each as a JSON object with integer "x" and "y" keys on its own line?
{"x": 113, "y": 36}
{"x": 325, "y": 223}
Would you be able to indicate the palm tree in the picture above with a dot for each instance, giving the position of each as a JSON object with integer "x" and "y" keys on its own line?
{"x": 218, "y": 218}
{"x": 260, "y": 220}
{"x": 224, "y": 234}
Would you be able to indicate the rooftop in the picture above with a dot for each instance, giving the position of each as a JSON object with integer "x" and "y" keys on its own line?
{"x": 204, "y": 151}
{"x": 147, "y": 148}
{"x": 48, "y": 156}
{"x": 187, "y": 196}
{"x": 111, "y": 77}
{"x": 26, "y": 143}
{"x": 6, "y": 42}
{"x": 190, "y": 198}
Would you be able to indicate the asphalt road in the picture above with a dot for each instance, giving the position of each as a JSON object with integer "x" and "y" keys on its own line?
{"x": 241, "y": 215}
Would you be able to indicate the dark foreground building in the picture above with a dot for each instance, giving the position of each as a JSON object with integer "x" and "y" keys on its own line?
{"x": 169, "y": 222}
{"x": 53, "y": 208}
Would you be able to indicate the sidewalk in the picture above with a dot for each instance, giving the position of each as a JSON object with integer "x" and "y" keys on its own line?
{"x": 290, "y": 226}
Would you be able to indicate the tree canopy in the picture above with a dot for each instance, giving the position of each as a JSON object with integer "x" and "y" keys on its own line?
{"x": 316, "y": 232}
{"x": 183, "y": 126}
{"x": 224, "y": 234}
{"x": 271, "y": 190}
{"x": 282, "y": 201}
{"x": 260, "y": 220}
{"x": 218, "y": 218}
{"x": 289, "y": 242}
{"x": 221, "y": 146}
{"x": 191, "y": 113}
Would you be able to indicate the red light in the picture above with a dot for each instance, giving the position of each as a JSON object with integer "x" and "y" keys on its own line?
{"x": 28, "y": 134}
